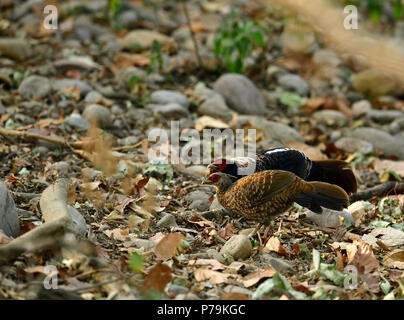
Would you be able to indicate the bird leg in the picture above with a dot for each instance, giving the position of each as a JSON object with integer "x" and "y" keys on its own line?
{"x": 252, "y": 233}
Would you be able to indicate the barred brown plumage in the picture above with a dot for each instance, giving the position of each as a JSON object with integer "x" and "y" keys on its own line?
{"x": 264, "y": 195}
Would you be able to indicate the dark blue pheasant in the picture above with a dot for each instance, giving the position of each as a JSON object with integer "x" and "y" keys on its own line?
{"x": 335, "y": 172}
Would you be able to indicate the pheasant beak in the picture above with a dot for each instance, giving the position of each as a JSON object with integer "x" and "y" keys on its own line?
{"x": 206, "y": 181}
{"x": 212, "y": 169}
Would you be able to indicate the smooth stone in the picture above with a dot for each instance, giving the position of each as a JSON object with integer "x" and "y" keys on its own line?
{"x": 360, "y": 108}
{"x": 278, "y": 264}
{"x": 385, "y": 116}
{"x": 76, "y": 121}
{"x": 388, "y": 144}
{"x": 93, "y": 96}
{"x": 67, "y": 83}
{"x": 169, "y": 96}
{"x": 241, "y": 94}
{"x": 34, "y": 87}
{"x": 167, "y": 221}
{"x": 196, "y": 171}
{"x": 17, "y": 49}
{"x": 198, "y": 200}
{"x": 395, "y": 127}
{"x": 129, "y": 19}
{"x": 329, "y": 218}
{"x": 352, "y": 145}
{"x": 80, "y": 226}
{"x": 216, "y": 107}
{"x": 293, "y": 82}
{"x": 141, "y": 39}
{"x": 332, "y": 118}
{"x": 9, "y": 222}
{"x": 170, "y": 110}
{"x": 238, "y": 246}
{"x": 272, "y": 130}
{"x": 374, "y": 83}
{"x": 99, "y": 114}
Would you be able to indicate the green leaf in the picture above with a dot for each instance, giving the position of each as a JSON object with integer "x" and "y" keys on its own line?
{"x": 397, "y": 9}
{"x": 385, "y": 286}
{"x": 379, "y": 223}
{"x": 291, "y": 99}
{"x": 136, "y": 262}
{"x": 316, "y": 259}
{"x": 275, "y": 287}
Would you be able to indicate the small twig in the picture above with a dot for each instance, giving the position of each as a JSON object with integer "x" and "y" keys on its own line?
{"x": 198, "y": 56}
{"x": 124, "y": 148}
{"x": 378, "y": 191}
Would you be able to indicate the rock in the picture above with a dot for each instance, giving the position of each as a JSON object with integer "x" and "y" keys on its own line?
{"x": 187, "y": 296}
{"x": 241, "y": 94}
{"x": 141, "y": 243}
{"x": 175, "y": 289}
{"x": 272, "y": 130}
{"x": 374, "y": 83}
{"x": 99, "y": 114}
{"x": 34, "y": 87}
{"x": 169, "y": 96}
{"x": 358, "y": 211}
{"x": 196, "y": 171}
{"x": 61, "y": 167}
{"x": 116, "y": 110}
{"x": 67, "y": 83}
{"x": 142, "y": 39}
{"x": 216, "y": 107}
{"x": 238, "y": 246}
{"x": 129, "y": 140}
{"x": 128, "y": 19}
{"x": 76, "y": 62}
{"x": 17, "y": 49}
{"x": 76, "y": 121}
{"x": 213, "y": 254}
{"x": 332, "y": 118}
{"x": 167, "y": 221}
{"x": 235, "y": 289}
{"x": 171, "y": 110}
{"x": 352, "y": 145}
{"x": 395, "y": 127}
{"x": 80, "y": 226}
{"x": 329, "y": 218}
{"x": 198, "y": 200}
{"x": 360, "y": 108}
{"x": 93, "y": 97}
{"x": 297, "y": 39}
{"x": 9, "y": 222}
{"x": 327, "y": 57}
{"x": 278, "y": 264}
{"x": 385, "y": 116}
{"x": 293, "y": 82}
{"x": 2, "y": 108}
{"x": 381, "y": 140}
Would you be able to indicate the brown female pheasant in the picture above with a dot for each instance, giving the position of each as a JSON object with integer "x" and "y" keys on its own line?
{"x": 264, "y": 195}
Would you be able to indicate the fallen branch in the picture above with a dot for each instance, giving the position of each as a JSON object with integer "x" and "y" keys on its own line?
{"x": 57, "y": 219}
{"x": 379, "y": 191}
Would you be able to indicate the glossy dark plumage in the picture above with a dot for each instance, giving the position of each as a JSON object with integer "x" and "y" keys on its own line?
{"x": 264, "y": 195}
{"x": 335, "y": 172}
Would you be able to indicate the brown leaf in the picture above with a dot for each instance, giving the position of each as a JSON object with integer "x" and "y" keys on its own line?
{"x": 212, "y": 263}
{"x": 228, "y": 231}
{"x": 273, "y": 244}
{"x": 167, "y": 247}
{"x": 158, "y": 277}
{"x": 118, "y": 234}
{"x": 252, "y": 278}
{"x": 73, "y": 91}
{"x": 214, "y": 277}
{"x": 234, "y": 296}
{"x": 394, "y": 259}
{"x": 340, "y": 261}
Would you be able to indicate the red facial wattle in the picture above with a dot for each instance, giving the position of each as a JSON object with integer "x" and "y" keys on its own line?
{"x": 220, "y": 164}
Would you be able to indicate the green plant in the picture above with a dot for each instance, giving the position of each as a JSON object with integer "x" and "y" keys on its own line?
{"x": 375, "y": 8}
{"x": 156, "y": 58}
{"x": 114, "y": 10}
{"x": 235, "y": 40}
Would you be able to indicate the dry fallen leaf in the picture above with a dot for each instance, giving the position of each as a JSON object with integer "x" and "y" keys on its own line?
{"x": 273, "y": 244}
{"x": 209, "y": 122}
{"x": 252, "y": 278}
{"x": 214, "y": 277}
{"x": 312, "y": 152}
{"x": 394, "y": 259}
{"x": 382, "y": 166}
{"x": 211, "y": 263}
{"x": 234, "y": 296}
{"x": 118, "y": 234}
{"x": 158, "y": 277}
{"x": 167, "y": 247}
